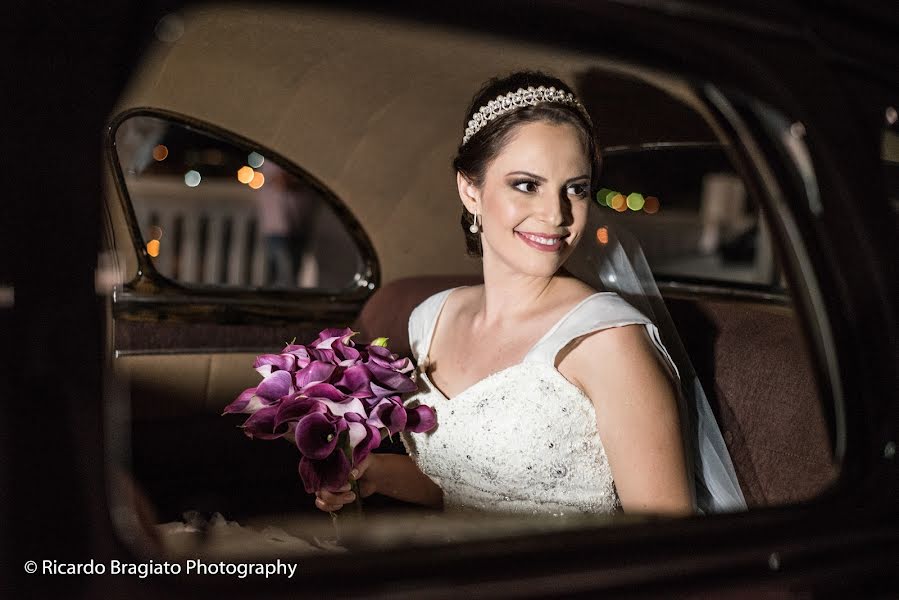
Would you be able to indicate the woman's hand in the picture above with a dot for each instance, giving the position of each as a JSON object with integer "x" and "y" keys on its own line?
{"x": 333, "y": 500}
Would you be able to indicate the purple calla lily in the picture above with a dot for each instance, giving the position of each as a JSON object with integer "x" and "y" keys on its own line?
{"x": 246, "y": 402}
{"x": 345, "y": 354}
{"x": 355, "y": 381}
{"x": 336, "y": 401}
{"x": 338, "y": 355}
{"x": 380, "y": 355}
{"x": 300, "y": 352}
{"x": 420, "y": 419}
{"x": 363, "y": 439}
{"x": 329, "y": 473}
{"x": 389, "y": 414}
{"x": 386, "y": 379}
{"x": 315, "y": 372}
{"x": 317, "y": 434}
{"x": 328, "y": 336}
{"x": 266, "y": 364}
{"x": 275, "y": 386}
{"x": 296, "y": 407}
{"x": 261, "y": 424}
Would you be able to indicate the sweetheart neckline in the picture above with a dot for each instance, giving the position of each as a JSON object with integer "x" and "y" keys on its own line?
{"x": 521, "y": 363}
{"x": 549, "y": 332}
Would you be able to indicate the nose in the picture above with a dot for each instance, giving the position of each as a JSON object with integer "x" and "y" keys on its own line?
{"x": 555, "y": 210}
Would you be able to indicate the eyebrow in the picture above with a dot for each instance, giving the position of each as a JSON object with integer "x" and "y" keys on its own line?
{"x": 542, "y": 179}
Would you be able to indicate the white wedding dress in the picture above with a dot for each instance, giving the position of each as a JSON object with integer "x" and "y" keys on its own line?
{"x": 524, "y": 439}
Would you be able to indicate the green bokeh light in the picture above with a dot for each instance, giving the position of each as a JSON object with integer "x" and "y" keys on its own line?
{"x": 635, "y": 201}
{"x": 601, "y": 196}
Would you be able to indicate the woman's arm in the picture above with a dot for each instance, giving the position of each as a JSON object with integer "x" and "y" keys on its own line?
{"x": 394, "y": 475}
{"x": 637, "y": 416}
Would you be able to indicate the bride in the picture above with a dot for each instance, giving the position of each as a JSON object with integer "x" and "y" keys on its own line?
{"x": 551, "y": 397}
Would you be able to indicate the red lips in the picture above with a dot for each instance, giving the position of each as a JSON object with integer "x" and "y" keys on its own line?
{"x": 554, "y": 247}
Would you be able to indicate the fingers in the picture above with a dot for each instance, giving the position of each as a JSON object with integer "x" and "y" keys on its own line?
{"x": 322, "y": 505}
{"x": 359, "y": 470}
{"x": 334, "y": 500}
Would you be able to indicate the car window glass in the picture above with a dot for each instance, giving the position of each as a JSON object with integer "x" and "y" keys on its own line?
{"x": 215, "y": 214}
{"x": 690, "y": 212}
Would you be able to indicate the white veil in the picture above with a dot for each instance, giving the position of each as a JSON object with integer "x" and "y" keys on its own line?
{"x": 618, "y": 265}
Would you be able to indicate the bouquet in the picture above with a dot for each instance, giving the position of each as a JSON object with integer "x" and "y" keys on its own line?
{"x": 336, "y": 401}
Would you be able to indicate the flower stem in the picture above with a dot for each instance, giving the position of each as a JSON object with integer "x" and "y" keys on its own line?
{"x": 354, "y": 507}
{"x": 357, "y": 501}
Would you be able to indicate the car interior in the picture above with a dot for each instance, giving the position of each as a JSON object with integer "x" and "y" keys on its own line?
{"x": 364, "y": 116}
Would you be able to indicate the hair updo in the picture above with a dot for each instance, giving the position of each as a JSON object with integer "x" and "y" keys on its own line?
{"x": 473, "y": 158}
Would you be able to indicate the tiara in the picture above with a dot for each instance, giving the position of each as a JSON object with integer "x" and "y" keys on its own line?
{"x": 519, "y": 98}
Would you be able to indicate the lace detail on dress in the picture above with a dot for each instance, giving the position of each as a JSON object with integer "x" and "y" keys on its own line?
{"x": 524, "y": 439}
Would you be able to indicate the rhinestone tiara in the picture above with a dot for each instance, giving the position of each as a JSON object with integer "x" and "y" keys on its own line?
{"x": 519, "y": 98}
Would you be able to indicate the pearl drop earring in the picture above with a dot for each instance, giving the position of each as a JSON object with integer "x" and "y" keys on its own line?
{"x": 474, "y": 223}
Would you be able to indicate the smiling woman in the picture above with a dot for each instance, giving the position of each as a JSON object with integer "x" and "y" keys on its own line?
{"x": 549, "y": 372}
{"x": 598, "y": 434}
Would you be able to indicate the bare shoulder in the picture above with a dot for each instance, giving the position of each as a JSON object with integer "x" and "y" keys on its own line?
{"x": 617, "y": 358}
{"x": 637, "y": 418}
{"x": 609, "y": 343}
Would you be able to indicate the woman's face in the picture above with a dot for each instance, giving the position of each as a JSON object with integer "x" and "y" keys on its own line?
{"x": 534, "y": 199}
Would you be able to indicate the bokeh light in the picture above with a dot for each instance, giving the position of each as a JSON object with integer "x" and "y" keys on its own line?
{"x": 255, "y": 160}
{"x": 258, "y": 180}
{"x": 160, "y": 152}
{"x": 156, "y": 232}
{"x": 192, "y": 178}
{"x": 617, "y": 202}
{"x": 245, "y": 174}
{"x": 635, "y": 201}
{"x": 651, "y": 205}
{"x": 153, "y": 248}
{"x": 609, "y": 197}
{"x": 601, "y": 196}
{"x": 602, "y": 235}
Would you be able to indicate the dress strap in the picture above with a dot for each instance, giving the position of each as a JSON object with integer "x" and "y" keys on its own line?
{"x": 600, "y": 311}
{"x": 422, "y": 322}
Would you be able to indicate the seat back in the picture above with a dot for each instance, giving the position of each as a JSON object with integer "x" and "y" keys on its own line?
{"x": 750, "y": 360}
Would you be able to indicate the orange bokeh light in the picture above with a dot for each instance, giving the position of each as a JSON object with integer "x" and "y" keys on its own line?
{"x": 258, "y": 180}
{"x": 617, "y": 202}
{"x": 160, "y": 152}
{"x": 602, "y": 235}
{"x": 245, "y": 174}
{"x": 153, "y": 248}
{"x": 652, "y": 205}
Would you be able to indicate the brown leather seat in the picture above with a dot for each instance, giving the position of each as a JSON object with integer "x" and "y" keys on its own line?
{"x": 750, "y": 360}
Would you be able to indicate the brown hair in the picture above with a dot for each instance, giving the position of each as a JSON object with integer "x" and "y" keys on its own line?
{"x": 473, "y": 158}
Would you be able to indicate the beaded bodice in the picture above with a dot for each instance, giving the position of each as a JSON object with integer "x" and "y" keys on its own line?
{"x": 523, "y": 439}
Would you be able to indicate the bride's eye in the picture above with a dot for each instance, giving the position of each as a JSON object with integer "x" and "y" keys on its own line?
{"x": 578, "y": 190}
{"x": 527, "y": 186}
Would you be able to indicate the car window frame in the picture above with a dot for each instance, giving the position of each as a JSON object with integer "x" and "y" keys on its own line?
{"x": 149, "y": 290}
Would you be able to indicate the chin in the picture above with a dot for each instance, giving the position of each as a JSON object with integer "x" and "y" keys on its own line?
{"x": 542, "y": 268}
